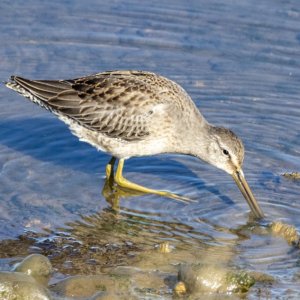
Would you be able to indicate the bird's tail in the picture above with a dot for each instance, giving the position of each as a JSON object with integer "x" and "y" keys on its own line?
{"x": 38, "y": 91}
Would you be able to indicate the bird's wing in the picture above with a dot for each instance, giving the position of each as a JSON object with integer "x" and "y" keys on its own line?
{"x": 117, "y": 104}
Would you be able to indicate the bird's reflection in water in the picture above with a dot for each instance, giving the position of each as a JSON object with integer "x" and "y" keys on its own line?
{"x": 121, "y": 235}
{"x": 141, "y": 228}
{"x": 150, "y": 222}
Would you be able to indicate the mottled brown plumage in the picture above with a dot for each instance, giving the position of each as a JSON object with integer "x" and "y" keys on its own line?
{"x": 137, "y": 113}
{"x": 119, "y": 104}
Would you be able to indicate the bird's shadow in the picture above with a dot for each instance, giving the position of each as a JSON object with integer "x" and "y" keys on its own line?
{"x": 47, "y": 140}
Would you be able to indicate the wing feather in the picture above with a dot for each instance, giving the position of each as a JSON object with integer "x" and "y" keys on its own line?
{"x": 116, "y": 104}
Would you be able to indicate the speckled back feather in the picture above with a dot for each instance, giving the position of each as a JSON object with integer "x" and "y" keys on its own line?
{"x": 116, "y": 103}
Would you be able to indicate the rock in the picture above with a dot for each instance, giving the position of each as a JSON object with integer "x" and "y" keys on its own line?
{"x": 180, "y": 289}
{"x": 20, "y": 286}
{"x": 83, "y": 286}
{"x": 105, "y": 296}
{"x": 293, "y": 175}
{"x": 164, "y": 247}
{"x": 36, "y": 265}
{"x": 208, "y": 279}
{"x": 288, "y": 232}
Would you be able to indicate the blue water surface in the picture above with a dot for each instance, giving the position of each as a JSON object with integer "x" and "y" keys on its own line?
{"x": 240, "y": 62}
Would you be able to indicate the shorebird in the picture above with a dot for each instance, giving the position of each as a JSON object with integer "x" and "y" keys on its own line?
{"x": 137, "y": 113}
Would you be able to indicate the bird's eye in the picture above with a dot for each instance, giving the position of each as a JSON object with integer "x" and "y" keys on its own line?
{"x": 225, "y": 152}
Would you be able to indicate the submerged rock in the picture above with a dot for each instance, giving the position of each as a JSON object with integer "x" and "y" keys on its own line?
{"x": 180, "y": 289}
{"x": 288, "y": 232}
{"x": 293, "y": 175}
{"x": 105, "y": 296}
{"x": 36, "y": 265}
{"x": 164, "y": 247}
{"x": 206, "y": 279}
{"x": 27, "y": 280}
{"x": 20, "y": 286}
{"x": 84, "y": 285}
{"x": 239, "y": 282}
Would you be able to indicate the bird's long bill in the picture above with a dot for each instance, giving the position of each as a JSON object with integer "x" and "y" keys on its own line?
{"x": 241, "y": 182}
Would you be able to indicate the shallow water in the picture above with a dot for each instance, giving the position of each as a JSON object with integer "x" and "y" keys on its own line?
{"x": 239, "y": 61}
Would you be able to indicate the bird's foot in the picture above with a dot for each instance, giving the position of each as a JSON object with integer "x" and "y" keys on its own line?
{"x": 128, "y": 188}
{"x": 128, "y": 185}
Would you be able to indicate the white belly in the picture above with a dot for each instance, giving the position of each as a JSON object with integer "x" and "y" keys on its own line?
{"x": 114, "y": 146}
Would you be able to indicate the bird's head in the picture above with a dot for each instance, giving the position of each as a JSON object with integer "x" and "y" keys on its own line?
{"x": 226, "y": 151}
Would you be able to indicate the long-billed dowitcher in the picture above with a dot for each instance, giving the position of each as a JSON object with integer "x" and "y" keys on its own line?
{"x": 137, "y": 113}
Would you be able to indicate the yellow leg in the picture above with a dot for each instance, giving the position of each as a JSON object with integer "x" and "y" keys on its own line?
{"x": 124, "y": 183}
{"x": 110, "y": 168}
{"x": 109, "y": 189}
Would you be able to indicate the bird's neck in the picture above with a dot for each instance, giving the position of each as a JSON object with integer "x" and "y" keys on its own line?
{"x": 196, "y": 140}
